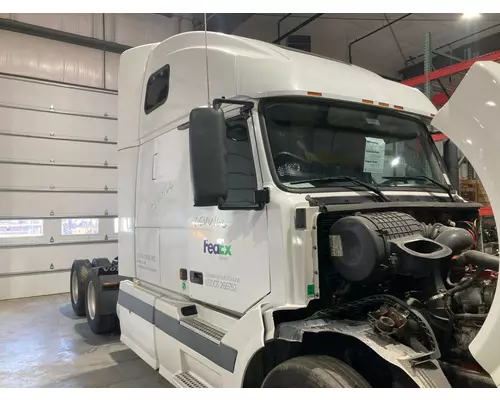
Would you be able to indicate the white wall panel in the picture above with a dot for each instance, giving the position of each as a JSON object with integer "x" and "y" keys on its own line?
{"x": 112, "y": 63}
{"x": 137, "y": 29}
{"x": 58, "y": 98}
{"x": 47, "y": 281}
{"x": 128, "y": 29}
{"x": 43, "y": 177}
{"x": 49, "y": 59}
{"x": 60, "y": 152}
{"x": 56, "y": 125}
{"x": 37, "y": 172}
{"x": 61, "y": 124}
{"x": 39, "y": 258}
{"x": 32, "y": 205}
{"x": 80, "y": 24}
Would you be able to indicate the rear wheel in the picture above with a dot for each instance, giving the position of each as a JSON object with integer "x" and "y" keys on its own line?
{"x": 98, "y": 323}
{"x": 314, "y": 372}
{"x": 78, "y": 280}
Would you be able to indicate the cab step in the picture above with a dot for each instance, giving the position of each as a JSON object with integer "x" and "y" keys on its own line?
{"x": 205, "y": 329}
{"x": 188, "y": 380}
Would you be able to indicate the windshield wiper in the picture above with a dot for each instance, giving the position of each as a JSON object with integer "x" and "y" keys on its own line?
{"x": 421, "y": 178}
{"x": 327, "y": 179}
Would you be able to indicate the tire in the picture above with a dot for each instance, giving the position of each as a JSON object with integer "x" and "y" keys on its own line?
{"x": 314, "y": 372}
{"x": 101, "y": 262}
{"x": 77, "y": 285}
{"x": 94, "y": 298}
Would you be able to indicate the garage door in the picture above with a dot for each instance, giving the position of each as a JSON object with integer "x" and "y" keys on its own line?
{"x": 58, "y": 182}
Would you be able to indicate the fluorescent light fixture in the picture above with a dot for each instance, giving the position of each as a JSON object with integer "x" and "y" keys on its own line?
{"x": 470, "y": 15}
{"x": 395, "y": 161}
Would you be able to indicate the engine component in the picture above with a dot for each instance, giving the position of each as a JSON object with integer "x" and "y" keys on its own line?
{"x": 388, "y": 320}
{"x": 476, "y": 299}
{"x": 365, "y": 246}
{"x": 483, "y": 260}
{"x": 457, "y": 239}
{"x": 390, "y": 316}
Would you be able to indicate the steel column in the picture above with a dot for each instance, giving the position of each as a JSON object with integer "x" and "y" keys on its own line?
{"x": 427, "y": 64}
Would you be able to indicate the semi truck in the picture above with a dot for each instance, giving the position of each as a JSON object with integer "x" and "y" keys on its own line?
{"x": 287, "y": 221}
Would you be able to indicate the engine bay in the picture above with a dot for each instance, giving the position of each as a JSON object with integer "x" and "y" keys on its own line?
{"x": 416, "y": 275}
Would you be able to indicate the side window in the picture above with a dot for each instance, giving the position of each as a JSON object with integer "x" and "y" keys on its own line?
{"x": 157, "y": 89}
{"x": 242, "y": 181}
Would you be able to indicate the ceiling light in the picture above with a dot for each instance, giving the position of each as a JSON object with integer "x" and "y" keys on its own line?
{"x": 470, "y": 15}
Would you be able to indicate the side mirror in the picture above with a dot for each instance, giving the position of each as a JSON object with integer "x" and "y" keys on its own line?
{"x": 208, "y": 154}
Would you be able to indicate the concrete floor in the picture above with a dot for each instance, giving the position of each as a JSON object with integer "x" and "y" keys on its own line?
{"x": 43, "y": 344}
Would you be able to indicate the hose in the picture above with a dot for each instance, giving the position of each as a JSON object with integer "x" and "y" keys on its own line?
{"x": 470, "y": 317}
{"x": 483, "y": 260}
{"x": 466, "y": 284}
{"x": 457, "y": 239}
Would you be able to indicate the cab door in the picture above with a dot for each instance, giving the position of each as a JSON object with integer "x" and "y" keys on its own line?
{"x": 228, "y": 249}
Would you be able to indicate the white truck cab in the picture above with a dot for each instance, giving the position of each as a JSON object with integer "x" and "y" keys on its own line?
{"x": 286, "y": 221}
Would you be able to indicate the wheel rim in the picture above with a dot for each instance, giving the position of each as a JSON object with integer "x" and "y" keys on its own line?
{"x": 91, "y": 300}
{"x": 74, "y": 287}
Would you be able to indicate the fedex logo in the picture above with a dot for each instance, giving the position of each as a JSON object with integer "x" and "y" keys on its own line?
{"x": 216, "y": 248}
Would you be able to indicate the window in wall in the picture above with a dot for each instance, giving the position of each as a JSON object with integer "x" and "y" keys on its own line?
{"x": 12, "y": 228}
{"x": 80, "y": 226}
{"x": 242, "y": 182}
{"x": 157, "y": 89}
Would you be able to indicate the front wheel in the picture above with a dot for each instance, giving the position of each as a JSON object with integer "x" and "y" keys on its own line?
{"x": 314, "y": 372}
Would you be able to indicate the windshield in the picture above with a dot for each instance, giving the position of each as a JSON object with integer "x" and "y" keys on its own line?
{"x": 313, "y": 141}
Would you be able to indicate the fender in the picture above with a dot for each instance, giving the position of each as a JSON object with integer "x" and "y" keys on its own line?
{"x": 248, "y": 338}
{"x": 424, "y": 375}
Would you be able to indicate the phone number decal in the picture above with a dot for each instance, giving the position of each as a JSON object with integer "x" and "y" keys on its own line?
{"x": 216, "y": 284}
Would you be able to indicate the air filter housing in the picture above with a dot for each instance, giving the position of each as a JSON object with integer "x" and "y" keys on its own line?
{"x": 364, "y": 246}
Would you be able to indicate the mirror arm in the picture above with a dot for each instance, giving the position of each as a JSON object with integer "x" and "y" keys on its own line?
{"x": 247, "y": 105}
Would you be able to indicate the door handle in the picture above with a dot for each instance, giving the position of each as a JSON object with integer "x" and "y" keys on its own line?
{"x": 196, "y": 277}
{"x": 153, "y": 172}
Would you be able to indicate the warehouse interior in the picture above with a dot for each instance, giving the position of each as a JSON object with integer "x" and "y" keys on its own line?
{"x": 59, "y": 156}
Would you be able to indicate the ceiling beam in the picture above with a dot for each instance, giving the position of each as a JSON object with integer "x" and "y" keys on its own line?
{"x": 61, "y": 36}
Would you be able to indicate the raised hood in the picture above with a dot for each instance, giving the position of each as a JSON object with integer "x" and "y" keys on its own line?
{"x": 471, "y": 119}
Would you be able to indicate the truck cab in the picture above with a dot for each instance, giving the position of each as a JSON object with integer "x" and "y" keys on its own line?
{"x": 281, "y": 212}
